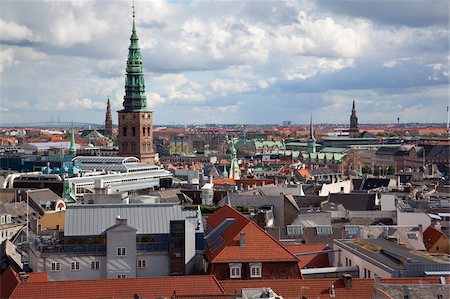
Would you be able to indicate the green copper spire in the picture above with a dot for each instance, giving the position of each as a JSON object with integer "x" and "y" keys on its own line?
{"x": 134, "y": 99}
{"x": 73, "y": 148}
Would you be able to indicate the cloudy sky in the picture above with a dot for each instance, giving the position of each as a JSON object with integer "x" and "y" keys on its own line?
{"x": 228, "y": 61}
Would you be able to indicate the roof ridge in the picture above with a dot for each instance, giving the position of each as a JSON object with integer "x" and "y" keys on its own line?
{"x": 274, "y": 240}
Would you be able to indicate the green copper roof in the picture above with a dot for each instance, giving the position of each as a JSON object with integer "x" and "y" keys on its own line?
{"x": 134, "y": 99}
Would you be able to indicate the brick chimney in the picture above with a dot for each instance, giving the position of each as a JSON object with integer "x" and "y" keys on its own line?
{"x": 347, "y": 281}
{"x": 242, "y": 239}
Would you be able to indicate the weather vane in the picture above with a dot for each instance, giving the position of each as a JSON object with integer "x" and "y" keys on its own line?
{"x": 133, "y": 9}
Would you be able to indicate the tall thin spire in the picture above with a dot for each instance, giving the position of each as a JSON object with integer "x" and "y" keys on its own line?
{"x": 134, "y": 99}
{"x": 354, "y": 131}
{"x": 311, "y": 128}
{"x": 311, "y": 143}
{"x": 73, "y": 147}
{"x": 108, "y": 119}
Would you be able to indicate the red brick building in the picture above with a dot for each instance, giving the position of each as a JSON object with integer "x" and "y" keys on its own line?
{"x": 237, "y": 248}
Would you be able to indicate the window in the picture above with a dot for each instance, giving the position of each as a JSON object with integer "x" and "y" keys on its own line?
{"x": 142, "y": 263}
{"x": 412, "y": 236}
{"x": 8, "y": 218}
{"x": 133, "y": 131}
{"x": 121, "y": 276}
{"x": 352, "y": 229}
{"x": 255, "y": 270}
{"x": 440, "y": 296}
{"x": 143, "y": 131}
{"x": 124, "y": 131}
{"x": 121, "y": 251}
{"x": 348, "y": 262}
{"x": 324, "y": 230}
{"x": 74, "y": 266}
{"x": 235, "y": 270}
{"x": 95, "y": 265}
{"x": 368, "y": 273}
{"x": 294, "y": 230}
{"x": 2, "y": 220}
{"x": 56, "y": 266}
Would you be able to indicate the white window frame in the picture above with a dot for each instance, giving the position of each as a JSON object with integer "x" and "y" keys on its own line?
{"x": 95, "y": 265}
{"x": 121, "y": 251}
{"x": 121, "y": 276}
{"x": 142, "y": 263}
{"x": 75, "y": 266}
{"x": 8, "y": 218}
{"x": 2, "y": 219}
{"x": 55, "y": 266}
{"x": 255, "y": 270}
{"x": 235, "y": 270}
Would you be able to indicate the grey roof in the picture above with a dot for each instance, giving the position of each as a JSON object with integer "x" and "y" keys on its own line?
{"x": 387, "y": 251}
{"x": 92, "y": 220}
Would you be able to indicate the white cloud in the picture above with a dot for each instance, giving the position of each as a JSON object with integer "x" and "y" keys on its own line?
{"x": 6, "y": 60}
{"x": 11, "y": 31}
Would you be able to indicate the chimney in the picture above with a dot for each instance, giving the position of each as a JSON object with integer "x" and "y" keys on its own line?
{"x": 347, "y": 280}
{"x": 121, "y": 221}
{"x": 23, "y": 276}
{"x": 242, "y": 239}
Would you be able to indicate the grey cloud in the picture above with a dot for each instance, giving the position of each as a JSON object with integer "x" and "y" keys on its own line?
{"x": 414, "y": 13}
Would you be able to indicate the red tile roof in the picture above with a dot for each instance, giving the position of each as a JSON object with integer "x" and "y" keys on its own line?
{"x": 407, "y": 281}
{"x": 431, "y": 235}
{"x": 113, "y": 288}
{"x": 259, "y": 245}
{"x": 8, "y": 282}
{"x": 312, "y": 260}
{"x": 310, "y": 288}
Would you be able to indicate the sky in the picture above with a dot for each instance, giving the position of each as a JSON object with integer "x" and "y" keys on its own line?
{"x": 249, "y": 62}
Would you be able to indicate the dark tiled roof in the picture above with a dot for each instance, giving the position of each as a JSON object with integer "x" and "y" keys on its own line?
{"x": 354, "y": 201}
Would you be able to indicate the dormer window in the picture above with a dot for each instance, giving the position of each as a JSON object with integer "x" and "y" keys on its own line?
{"x": 2, "y": 219}
{"x": 235, "y": 270}
{"x": 255, "y": 270}
{"x": 8, "y": 218}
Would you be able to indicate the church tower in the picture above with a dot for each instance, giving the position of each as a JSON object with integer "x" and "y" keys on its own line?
{"x": 108, "y": 120}
{"x": 135, "y": 120}
{"x": 354, "y": 131}
{"x": 311, "y": 144}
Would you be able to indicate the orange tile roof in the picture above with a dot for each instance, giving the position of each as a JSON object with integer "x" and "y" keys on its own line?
{"x": 304, "y": 172}
{"x": 8, "y": 282}
{"x": 259, "y": 245}
{"x": 313, "y": 260}
{"x": 414, "y": 280}
{"x": 310, "y": 288}
{"x": 431, "y": 235}
{"x": 120, "y": 288}
{"x": 231, "y": 182}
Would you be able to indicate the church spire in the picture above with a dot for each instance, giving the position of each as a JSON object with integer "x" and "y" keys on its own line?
{"x": 311, "y": 143}
{"x": 311, "y": 129}
{"x": 108, "y": 119}
{"x": 73, "y": 147}
{"x": 354, "y": 131}
{"x": 134, "y": 99}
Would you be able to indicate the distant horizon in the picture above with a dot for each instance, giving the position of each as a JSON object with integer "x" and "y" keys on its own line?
{"x": 412, "y": 124}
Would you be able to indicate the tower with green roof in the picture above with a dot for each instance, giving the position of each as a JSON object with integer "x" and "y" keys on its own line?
{"x": 135, "y": 119}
